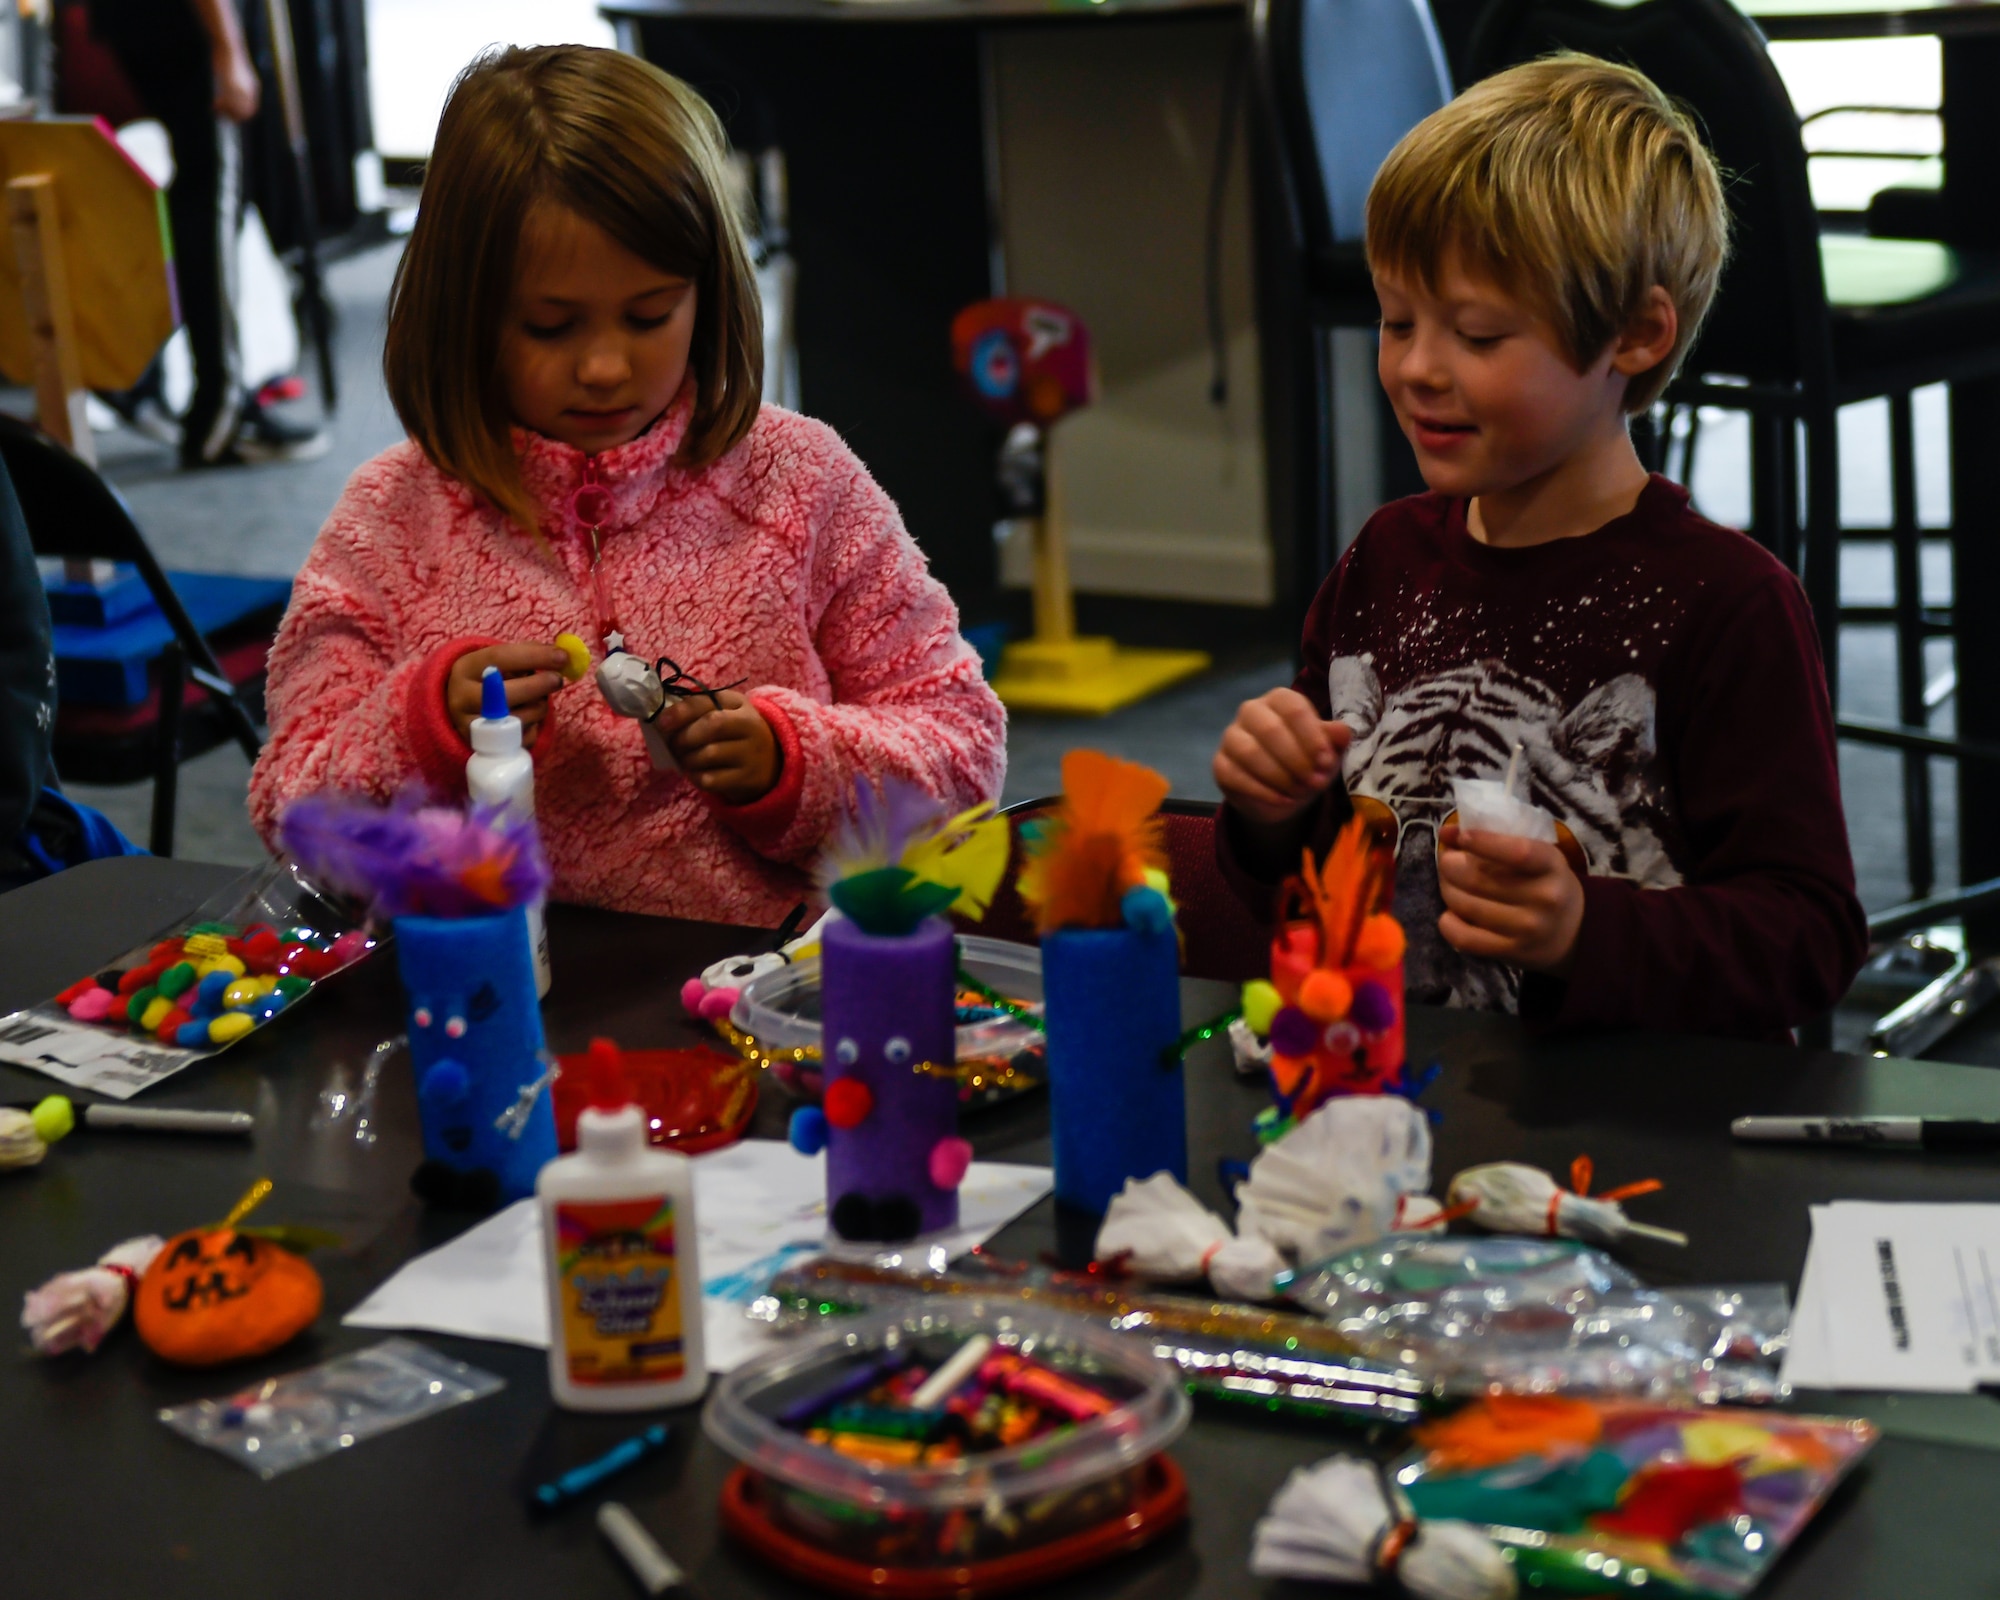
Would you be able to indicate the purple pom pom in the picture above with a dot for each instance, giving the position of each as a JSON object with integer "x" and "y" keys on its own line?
{"x": 1293, "y": 1033}
{"x": 1373, "y": 1009}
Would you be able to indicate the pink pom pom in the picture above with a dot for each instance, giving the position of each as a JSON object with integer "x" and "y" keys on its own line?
{"x": 717, "y": 1003}
{"x": 93, "y": 1005}
{"x": 949, "y": 1159}
{"x": 691, "y": 993}
{"x": 350, "y": 946}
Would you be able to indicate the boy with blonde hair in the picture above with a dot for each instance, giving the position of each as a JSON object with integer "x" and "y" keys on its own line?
{"x": 1544, "y": 249}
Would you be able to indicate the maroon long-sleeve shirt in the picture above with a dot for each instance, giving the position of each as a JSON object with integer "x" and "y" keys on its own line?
{"x": 1662, "y": 676}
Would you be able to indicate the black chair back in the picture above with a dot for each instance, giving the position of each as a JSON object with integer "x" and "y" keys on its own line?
{"x": 74, "y": 515}
{"x": 1346, "y": 80}
{"x": 1770, "y": 322}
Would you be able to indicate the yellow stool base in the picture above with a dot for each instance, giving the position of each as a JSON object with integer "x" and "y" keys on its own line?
{"x": 1087, "y": 677}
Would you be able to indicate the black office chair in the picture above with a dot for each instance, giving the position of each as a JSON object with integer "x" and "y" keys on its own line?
{"x": 1340, "y": 82}
{"x": 74, "y": 515}
{"x": 1803, "y": 324}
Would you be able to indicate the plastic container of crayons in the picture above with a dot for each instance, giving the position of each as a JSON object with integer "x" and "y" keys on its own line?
{"x": 955, "y": 1450}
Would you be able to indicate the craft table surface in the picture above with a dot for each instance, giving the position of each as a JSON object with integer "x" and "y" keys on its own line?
{"x": 98, "y": 1499}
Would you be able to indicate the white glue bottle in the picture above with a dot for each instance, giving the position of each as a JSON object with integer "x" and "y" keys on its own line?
{"x": 502, "y": 774}
{"x": 623, "y": 1271}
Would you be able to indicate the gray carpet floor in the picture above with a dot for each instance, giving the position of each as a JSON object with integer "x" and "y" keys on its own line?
{"x": 263, "y": 520}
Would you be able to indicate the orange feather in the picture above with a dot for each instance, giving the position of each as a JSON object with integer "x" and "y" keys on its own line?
{"x": 1099, "y": 844}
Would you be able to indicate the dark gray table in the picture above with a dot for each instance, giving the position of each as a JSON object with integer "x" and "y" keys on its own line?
{"x": 97, "y": 1499}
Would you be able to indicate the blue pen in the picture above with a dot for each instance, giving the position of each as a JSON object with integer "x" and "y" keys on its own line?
{"x": 579, "y": 1481}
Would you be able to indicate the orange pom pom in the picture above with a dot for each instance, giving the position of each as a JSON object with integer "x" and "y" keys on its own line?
{"x": 1381, "y": 944}
{"x": 1325, "y": 996}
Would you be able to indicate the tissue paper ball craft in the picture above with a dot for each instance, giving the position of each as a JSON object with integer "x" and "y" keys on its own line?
{"x": 888, "y": 977}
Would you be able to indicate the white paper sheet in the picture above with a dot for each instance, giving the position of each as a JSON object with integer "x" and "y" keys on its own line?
{"x": 1899, "y": 1297}
{"x": 758, "y": 1205}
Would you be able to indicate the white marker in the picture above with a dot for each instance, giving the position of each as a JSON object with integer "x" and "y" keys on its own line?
{"x": 650, "y": 1564}
{"x": 943, "y": 1383}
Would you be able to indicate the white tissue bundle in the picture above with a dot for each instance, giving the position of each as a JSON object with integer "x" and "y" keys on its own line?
{"x": 1164, "y": 1233}
{"x": 1342, "y": 1178}
{"x": 75, "y": 1310}
{"x": 1509, "y": 1197}
{"x": 1326, "y": 1523}
{"x": 1485, "y": 806}
{"x": 20, "y": 1145}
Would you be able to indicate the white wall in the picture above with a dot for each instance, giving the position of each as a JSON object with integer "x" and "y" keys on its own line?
{"x": 417, "y": 47}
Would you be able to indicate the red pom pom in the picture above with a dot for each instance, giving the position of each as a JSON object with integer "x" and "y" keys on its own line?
{"x": 77, "y": 990}
{"x": 140, "y": 977}
{"x": 172, "y": 1023}
{"x": 847, "y": 1102}
{"x": 167, "y": 951}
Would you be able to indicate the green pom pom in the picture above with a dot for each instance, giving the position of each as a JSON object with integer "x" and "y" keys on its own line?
{"x": 135, "y": 1008}
{"x": 227, "y": 930}
{"x": 1260, "y": 1005}
{"x": 53, "y": 1118}
{"x": 177, "y": 980}
{"x": 291, "y": 986}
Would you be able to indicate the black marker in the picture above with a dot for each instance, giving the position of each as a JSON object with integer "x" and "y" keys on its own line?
{"x": 1896, "y": 1133}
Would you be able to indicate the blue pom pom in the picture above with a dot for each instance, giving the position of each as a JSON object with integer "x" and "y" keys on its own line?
{"x": 808, "y": 1130}
{"x": 207, "y": 1001}
{"x": 445, "y": 1084}
{"x": 1146, "y": 910}
{"x": 271, "y": 1004}
{"x": 192, "y": 1035}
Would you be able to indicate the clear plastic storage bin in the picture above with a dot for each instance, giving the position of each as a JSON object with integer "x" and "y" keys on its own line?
{"x": 985, "y": 1522}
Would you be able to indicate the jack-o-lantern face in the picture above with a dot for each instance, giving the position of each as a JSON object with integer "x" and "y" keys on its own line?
{"x": 221, "y": 1295}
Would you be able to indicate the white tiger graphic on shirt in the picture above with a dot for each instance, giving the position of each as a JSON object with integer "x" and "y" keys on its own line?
{"x": 1592, "y": 767}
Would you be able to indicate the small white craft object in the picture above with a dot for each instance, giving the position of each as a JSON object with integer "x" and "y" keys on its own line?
{"x": 1351, "y": 1172}
{"x": 21, "y": 1142}
{"x": 1509, "y": 1197}
{"x": 1253, "y": 1055}
{"x": 1156, "y": 1229}
{"x": 1339, "y": 1522}
{"x": 75, "y": 1310}
{"x": 1493, "y": 805}
{"x": 631, "y": 687}
{"x": 714, "y": 994}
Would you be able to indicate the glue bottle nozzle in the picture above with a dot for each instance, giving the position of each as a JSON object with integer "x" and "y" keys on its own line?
{"x": 608, "y": 1088}
{"x": 493, "y": 695}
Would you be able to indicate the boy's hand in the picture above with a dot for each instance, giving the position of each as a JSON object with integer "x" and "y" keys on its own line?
{"x": 730, "y": 753}
{"x": 533, "y": 673}
{"x": 1508, "y": 899}
{"x": 1278, "y": 756}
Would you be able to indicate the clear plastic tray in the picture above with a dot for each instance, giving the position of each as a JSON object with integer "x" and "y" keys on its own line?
{"x": 780, "y": 1009}
{"x": 982, "y": 1506}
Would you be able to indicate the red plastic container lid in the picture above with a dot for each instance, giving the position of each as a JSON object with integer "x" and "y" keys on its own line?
{"x": 694, "y": 1100}
{"x": 1161, "y": 1505}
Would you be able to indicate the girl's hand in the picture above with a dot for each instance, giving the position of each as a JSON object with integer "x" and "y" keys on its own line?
{"x": 729, "y": 752}
{"x": 1278, "y": 756}
{"x": 533, "y": 673}
{"x": 1508, "y": 899}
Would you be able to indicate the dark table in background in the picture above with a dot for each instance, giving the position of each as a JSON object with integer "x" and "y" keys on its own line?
{"x": 98, "y": 1499}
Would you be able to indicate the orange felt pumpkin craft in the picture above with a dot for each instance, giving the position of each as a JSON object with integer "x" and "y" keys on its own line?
{"x": 222, "y": 1293}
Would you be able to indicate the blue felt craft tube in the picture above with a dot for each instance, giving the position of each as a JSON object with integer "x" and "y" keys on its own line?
{"x": 1113, "y": 1008}
{"x": 476, "y": 1044}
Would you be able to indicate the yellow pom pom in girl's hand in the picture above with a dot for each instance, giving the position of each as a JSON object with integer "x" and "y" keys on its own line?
{"x": 578, "y": 653}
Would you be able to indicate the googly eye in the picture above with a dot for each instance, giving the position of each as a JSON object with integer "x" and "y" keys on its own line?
{"x": 847, "y": 1052}
{"x": 897, "y": 1051}
{"x": 1342, "y": 1038}
{"x": 454, "y": 1028}
{"x": 421, "y": 1016}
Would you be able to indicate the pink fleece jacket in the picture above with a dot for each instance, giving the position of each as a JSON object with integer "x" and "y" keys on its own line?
{"x": 782, "y": 563}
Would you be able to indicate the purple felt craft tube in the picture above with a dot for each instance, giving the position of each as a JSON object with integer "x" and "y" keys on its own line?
{"x": 885, "y": 1008}
{"x": 1113, "y": 1007}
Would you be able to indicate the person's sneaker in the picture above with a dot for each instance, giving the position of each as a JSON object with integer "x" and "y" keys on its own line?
{"x": 262, "y": 435}
{"x": 144, "y": 413}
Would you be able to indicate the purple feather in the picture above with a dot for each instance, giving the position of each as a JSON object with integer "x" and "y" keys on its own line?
{"x": 407, "y": 859}
{"x": 878, "y": 828}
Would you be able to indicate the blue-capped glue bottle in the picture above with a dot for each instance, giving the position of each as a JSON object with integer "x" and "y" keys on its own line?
{"x": 501, "y": 774}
